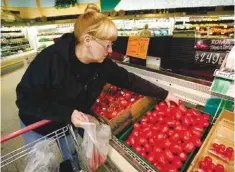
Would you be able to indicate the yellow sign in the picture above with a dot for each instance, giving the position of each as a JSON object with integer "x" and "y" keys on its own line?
{"x": 137, "y": 47}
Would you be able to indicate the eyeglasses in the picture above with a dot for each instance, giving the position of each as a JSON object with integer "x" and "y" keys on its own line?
{"x": 105, "y": 44}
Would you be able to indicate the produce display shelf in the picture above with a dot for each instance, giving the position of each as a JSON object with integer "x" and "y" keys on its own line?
{"x": 222, "y": 125}
{"x": 186, "y": 164}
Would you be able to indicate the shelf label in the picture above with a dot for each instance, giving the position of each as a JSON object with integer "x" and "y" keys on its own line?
{"x": 212, "y": 58}
{"x": 226, "y": 75}
{"x": 137, "y": 47}
{"x": 214, "y": 44}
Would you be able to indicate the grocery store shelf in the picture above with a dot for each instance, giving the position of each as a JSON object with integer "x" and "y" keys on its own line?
{"x": 16, "y": 61}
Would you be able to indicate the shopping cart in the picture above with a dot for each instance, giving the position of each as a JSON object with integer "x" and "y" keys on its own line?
{"x": 16, "y": 160}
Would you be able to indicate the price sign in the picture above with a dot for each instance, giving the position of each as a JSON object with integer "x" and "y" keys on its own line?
{"x": 137, "y": 47}
{"x": 212, "y": 58}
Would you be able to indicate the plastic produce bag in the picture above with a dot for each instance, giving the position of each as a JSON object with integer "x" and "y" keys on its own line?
{"x": 93, "y": 150}
{"x": 43, "y": 157}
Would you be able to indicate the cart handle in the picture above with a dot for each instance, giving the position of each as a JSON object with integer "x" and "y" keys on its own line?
{"x": 24, "y": 130}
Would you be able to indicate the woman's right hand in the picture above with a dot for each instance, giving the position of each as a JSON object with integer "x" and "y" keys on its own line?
{"x": 78, "y": 118}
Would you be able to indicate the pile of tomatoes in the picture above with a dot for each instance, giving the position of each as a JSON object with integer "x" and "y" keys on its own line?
{"x": 113, "y": 101}
{"x": 222, "y": 151}
{"x": 166, "y": 135}
{"x": 208, "y": 165}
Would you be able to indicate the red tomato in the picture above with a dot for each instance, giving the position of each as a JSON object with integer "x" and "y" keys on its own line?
{"x": 156, "y": 128}
{"x": 142, "y": 141}
{"x": 198, "y": 128}
{"x": 163, "y": 106}
{"x": 215, "y": 146}
{"x": 103, "y": 113}
{"x": 111, "y": 115}
{"x": 137, "y": 126}
{"x": 144, "y": 119}
{"x": 143, "y": 124}
{"x": 205, "y": 124}
{"x": 175, "y": 137}
{"x": 206, "y": 117}
{"x": 208, "y": 159}
{"x": 186, "y": 121}
{"x": 149, "y": 134}
{"x": 171, "y": 132}
{"x": 165, "y": 143}
{"x": 180, "y": 102}
{"x": 152, "y": 141}
{"x": 148, "y": 147}
{"x": 137, "y": 148}
{"x": 229, "y": 155}
{"x": 165, "y": 129}
{"x": 229, "y": 149}
{"x": 170, "y": 168}
{"x": 171, "y": 123}
{"x": 188, "y": 147}
{"x": 196, "y": 141}
{"x": 195, "y": 132}
{"x": 176, "y": 148}
{"x": 183, "y": 156}
{"x": 161, "y": 159}
{"x": 132, "y": 140}
{"x": 196, "y": 113}
{"x": 155, "y": 114}
{"x": 149, "y": 113}
{"x": 159, "y": 167}
{"x": 143, "y": 154}
{"x": 146, "y": 129}
{"x": 202, "y": 165}
{"x": 151, "y": 158}
{"x": 219, "y": 168}
{"x": 213, "y": 166}
{"x": 168, "y": 154}
{"x": 185, "y": 136}
{"x": 114, "y": 89}
{"x": 177, "y": 162}
{"x": 128, "y": 142}
{"x": 157, "y": 150}
{"x": 221, "y": 149}
{"x": 178, "y": 115}
{"x": 157, "y": 108}
{"x": 182, "y": 108}
{"x": 160, "y": 137}
{"x": 161, "y": 120}
{"x": 127, "y": 96}
{"x": 136, "y": 133}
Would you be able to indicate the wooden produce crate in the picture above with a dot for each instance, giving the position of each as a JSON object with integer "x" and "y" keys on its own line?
{"x": 140, "y": 106}
{"x": 125, "y": 117}
{"x": 222, "y": 132}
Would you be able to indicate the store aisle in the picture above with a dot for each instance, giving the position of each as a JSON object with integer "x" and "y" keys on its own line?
{"x": 9, "y": 110}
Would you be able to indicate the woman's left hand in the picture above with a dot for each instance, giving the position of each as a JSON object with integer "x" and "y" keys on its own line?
{"x": 171, "y": 98}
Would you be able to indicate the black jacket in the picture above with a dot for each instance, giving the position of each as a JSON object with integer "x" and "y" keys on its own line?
{"x": 56, "y": 83}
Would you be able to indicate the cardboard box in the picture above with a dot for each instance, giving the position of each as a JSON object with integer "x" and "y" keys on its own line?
{"x": 125, "y": 117}
{"x": 141, "y": 106}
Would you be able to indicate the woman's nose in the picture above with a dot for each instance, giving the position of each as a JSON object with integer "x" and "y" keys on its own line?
{"x": 110, "y": 50}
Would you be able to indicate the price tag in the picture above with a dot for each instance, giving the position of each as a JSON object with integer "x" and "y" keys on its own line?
{"x": 137, "y": 47}
{"x": 212, "y": 58}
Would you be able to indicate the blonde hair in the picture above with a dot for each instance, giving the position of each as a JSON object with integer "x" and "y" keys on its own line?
{"x": 96, "y": 25}
{"x": 92, "y": 8}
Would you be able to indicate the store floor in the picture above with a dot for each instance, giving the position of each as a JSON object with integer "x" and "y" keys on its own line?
{"x": 10, "y": 120}
{"x": 9, "y": 112}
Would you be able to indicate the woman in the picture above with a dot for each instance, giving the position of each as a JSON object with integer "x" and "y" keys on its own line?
{"x": 66, "y": 78}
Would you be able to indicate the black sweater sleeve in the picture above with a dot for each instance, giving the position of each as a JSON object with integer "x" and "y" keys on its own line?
{"x": 33, "y": 90}
{"x": 122, "y": 78}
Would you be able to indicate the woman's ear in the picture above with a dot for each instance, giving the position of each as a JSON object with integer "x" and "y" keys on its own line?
{"x": 87, "y": 40}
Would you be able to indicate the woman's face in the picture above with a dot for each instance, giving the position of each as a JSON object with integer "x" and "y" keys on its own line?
{"x": 99, "y": 49}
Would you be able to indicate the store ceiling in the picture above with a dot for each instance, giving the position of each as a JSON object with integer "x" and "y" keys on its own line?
{"x": 43, "y": 3}
{"x": 166, "y": 4}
